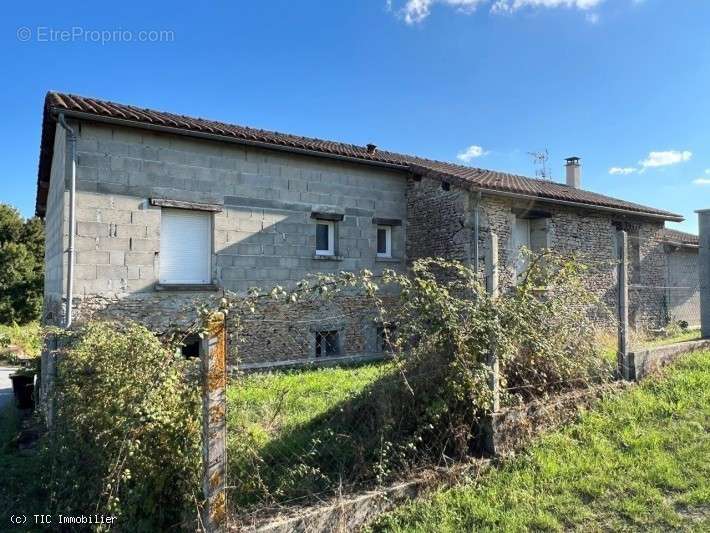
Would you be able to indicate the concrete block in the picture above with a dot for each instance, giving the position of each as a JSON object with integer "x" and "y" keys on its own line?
{"x": 112, "y": 272}
{"x": 117, "y": 258}
{"x": 85, "y": 272}
{"x": 92, "y": 258}
{"x": 147, "y": 272}
{"x": 233, "y": 273}
{"x": 140, "y": 258}
{"x": 92, "y": 229}
{"x": 131, "y": 231}
{"x": 145, "y": 216}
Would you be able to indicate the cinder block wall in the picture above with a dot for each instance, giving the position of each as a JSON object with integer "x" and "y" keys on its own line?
{"x": 56, "y": 232}
{"x": 264, "y": 235}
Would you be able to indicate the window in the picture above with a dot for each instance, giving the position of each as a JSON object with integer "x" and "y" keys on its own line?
{"x": 185, "y": 247}
{"x": 521, "y": 240}
{"x": 531, "y": 234}
{"x": 191, "y": 346}
{"x": 327, "y": 343}
{"x": 325, "y": 237}
{"x": 384, "y": 241}
{"x": 386, "y": 338}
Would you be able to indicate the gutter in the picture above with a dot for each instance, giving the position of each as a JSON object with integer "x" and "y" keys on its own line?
{"x": 313, "y": 153}
{"x": 71, "y": 137}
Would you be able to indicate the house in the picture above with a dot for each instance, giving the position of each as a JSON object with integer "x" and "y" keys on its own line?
{"x": 171, "y": 209}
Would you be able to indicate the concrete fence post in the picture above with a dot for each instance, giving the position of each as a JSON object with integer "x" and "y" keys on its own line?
{"x": 493, "y": 363}
{"x": 704, "y": 270}
{"x": 213, "y": 354}
{"x": 623, "y": 306}
{"x": 492, "y": 287}
{"x": 47, "y": 376}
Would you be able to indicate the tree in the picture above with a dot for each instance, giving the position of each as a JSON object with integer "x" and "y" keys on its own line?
{"x": 21, "y": 266}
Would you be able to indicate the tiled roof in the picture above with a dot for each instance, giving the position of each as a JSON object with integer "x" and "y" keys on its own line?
{"x": 472, "y": 178}
{"x": 680, "y": 237}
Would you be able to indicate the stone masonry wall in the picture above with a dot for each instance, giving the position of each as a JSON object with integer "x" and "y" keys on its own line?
{"x": 441, "y": 224}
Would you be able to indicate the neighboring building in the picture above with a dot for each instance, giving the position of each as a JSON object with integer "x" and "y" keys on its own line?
{"x": 171, "y": 209}
{"x": 682, "y": 290}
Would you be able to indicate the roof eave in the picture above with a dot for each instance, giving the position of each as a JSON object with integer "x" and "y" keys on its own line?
{"x": 40, "y": 208}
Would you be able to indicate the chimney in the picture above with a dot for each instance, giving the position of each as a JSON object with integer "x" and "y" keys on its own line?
{"x": 574, "y": 172}
{"x": 371, "y": 148}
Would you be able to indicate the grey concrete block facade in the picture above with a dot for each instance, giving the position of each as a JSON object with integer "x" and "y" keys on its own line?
{"x": 264, "y": 233}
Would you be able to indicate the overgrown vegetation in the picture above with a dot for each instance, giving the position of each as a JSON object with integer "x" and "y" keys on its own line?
{"x": 127, "y": 432}
{"x": 425, "y": 407}
{"x": 22, "y": 272}
{"x": 22, "y": 489}
{"x": 637, "y": 462}
{"x": 27, "y": 338}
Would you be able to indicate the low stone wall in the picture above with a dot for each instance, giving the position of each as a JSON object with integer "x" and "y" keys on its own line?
{"x": 351, "y": 512}
{"x": 645, "y": 362}
{"x": 514, "y": 427}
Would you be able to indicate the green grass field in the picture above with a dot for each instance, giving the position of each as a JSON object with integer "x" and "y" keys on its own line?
{"x": 280, "y": 443}
{"x": 640, "y": 461}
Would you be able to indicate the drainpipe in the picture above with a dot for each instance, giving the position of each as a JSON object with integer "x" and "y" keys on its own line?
{"x": 71, "y": 137}
{"x": 476, "y": 222}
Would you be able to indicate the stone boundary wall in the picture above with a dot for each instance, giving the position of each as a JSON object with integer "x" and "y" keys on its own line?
{"x": 651, "y": 360}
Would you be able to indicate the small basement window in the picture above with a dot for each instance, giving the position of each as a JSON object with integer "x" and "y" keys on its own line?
{"x": 327, "y": 343}
{"x": 325, "y": 237}
{"x": 191, "y": 346}
{"x": 384, "y": 241}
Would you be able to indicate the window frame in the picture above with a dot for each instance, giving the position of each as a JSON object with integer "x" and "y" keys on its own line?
{"x": 388, "y": 241}
{"x": 210, "y": 249}
{"x": 322, "y": 346}
{"x": 330, "y": 224}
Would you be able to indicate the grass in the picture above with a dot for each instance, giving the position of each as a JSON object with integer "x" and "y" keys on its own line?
{"x": 608, "y": 341}
{"x": 638, "y": 462}
{"x": 27, "y": 337}
{"x": 279, "y": 439}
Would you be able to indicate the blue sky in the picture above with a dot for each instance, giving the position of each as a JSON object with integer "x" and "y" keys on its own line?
{"x": 624, "y": 84}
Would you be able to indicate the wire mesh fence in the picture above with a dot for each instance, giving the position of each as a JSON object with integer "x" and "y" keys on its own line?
{"x": 663, "y": 314}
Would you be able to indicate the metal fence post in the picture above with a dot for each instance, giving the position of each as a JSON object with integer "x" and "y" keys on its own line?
{"x": 704, "y": 269}
{"x": 623, "y": 278}
{"x": 213, "y": 354}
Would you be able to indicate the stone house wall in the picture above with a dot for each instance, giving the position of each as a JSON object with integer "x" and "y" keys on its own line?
{"x": 264, "y": 234}
{"x": 56, "y": 231}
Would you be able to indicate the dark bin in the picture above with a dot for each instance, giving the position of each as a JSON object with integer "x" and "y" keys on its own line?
{"x": 23, "y": 386}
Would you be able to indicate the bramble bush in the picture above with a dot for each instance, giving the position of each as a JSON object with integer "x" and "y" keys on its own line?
{"x": 126, "y": 439}
{"x": 428, "y": 404}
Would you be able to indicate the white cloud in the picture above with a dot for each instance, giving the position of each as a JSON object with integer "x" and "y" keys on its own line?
{"x": 662, "y": 159}
{"x": 622, "y": 171}
{"x": 702, "y": 181}
{"x": 471, "y": 153}
{"x": 509, "y": 6}
{"x": 415, "y": 11}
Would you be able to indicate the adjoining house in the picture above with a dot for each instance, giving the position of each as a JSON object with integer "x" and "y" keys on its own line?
{"x": 171, "y": 209}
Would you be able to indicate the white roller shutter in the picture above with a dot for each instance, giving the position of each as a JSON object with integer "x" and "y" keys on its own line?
{"x": 185, "y": 246}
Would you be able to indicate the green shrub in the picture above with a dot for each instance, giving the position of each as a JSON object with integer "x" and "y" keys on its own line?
{"x": 426, "y": 405}
{"x": 127, "y": 438}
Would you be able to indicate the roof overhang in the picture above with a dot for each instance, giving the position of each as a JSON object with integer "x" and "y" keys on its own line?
{"x": 47, "y": 147}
